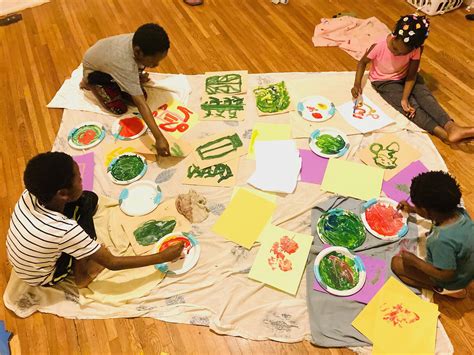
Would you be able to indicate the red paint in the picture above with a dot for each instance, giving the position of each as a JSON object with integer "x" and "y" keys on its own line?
{"x": 279, "y": 249}
{"x": 176, "y": 240}
{"x": 384, "y": 220}
{"x": 316, "y": 115}
{"x": 87, "y": 136}
{"x": 130, "y": 126}
{"x": 398, "y": 315}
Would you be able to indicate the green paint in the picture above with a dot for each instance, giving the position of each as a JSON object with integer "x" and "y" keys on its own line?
{"x": 127, "y": 167}
{"x": 176, "y": 150}
{"x": 330, "y": 144}
{"x": 338, "y": 271}
{"x": 403, "y": 188}
{"x": 219, "y": 147}
{"x": 216, "y": 107}
{"x": 222, "y": 170}
{"x": 224, "y": 84}
{"x": 273, "y": 98}
{"x": 385, "y": 157}
{"x": 341, "y": 228}
{"x": 152, "y": 231}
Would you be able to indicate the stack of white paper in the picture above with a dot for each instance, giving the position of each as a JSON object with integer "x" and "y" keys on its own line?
{"x": 278, "y": 165}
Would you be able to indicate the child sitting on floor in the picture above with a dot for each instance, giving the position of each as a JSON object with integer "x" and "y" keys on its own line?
{"x": 52, "y": 231}
{"x": 114, "y": 72}
{"x": 449, "y": 265}
{"x": 394, "y": 75}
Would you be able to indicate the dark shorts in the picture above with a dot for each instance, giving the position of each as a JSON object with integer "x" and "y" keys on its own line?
{"x": 108, "y": 92}
{"x": 82, "y": 211}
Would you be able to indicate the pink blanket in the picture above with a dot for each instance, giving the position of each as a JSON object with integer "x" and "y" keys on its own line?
{"x": 351, "y": 34}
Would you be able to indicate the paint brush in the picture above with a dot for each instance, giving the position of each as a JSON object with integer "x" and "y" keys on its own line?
{"x": 357, "y": 102}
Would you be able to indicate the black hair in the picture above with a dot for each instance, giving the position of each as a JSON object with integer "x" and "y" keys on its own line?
{"x": 151, "y": 39}
{"x": 412, "y": 30}
{"x": 436, "y": 191}
{"x": 47, "y": 173}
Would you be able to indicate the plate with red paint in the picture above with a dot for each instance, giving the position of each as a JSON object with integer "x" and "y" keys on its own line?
{"x": 86, "y": 135}
{"x": 191, "y": 251}
{"x": 128, "y": 128}
{"x": 382, "y": 219}
{"x": 316, "y": 108}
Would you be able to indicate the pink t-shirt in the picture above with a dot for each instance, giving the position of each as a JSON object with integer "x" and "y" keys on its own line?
{"x": 386, "y": 65}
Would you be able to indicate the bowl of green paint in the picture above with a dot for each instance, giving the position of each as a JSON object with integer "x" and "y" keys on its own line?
{"x": 342, "y": 228}
{"x": 339, "y": 272}
{"x": 86, "y": 135}
{"x": 127, "y": 168}
{"x": 328, "y": 142}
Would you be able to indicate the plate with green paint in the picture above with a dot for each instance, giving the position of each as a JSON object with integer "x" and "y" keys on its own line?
{"x": 339, "y": 272}
{"x": 342, "y": 228}
{"x": 192, "y": 251}
{"x": 86, "y": 135}
{"x": 316, "y": 108}
{"x": 140, "y": 198}
{"x": 328, "y": 142}
{"x": 127, "y": 168}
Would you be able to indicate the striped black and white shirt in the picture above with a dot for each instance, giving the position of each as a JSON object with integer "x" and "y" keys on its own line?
{"x": 37, "y": 237}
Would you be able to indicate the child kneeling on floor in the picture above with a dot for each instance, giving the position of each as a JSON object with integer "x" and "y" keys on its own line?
{"x": 52, "y": 231}
{"x": 395, "y": 60}
{"x": 449, "y": 265}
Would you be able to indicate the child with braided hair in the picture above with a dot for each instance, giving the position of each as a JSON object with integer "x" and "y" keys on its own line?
{"x": 395, "y": 60}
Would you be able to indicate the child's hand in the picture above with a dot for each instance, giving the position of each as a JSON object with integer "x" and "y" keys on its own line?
{"x": 144, "y": 77}
{"x": 162, "y": 148}
{"x": 404, "y": 206}
{"x": 409, "y": 109}
{"x": 173, "y": 252}
{"x": 356, "y": 91}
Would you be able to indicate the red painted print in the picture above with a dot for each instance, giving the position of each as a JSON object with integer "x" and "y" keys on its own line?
{"x": 171, "y": 121}
{"x": 286, "y": 245}
{"x": 87, "y": 137}
{"x": 398, "y": 315}
{"x": 130, "y": 126}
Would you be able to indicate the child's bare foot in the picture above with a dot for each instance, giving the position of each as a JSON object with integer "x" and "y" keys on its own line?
{"x": 458, "y": 133}
{"x": 462, "y": 293}
{"x": 194, "y": 2}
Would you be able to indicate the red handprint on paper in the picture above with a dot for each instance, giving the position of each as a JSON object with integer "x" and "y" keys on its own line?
{"x": 279, "y": 249}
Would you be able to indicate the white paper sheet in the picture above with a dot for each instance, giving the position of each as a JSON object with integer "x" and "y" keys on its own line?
{"x": 369, "y": 117}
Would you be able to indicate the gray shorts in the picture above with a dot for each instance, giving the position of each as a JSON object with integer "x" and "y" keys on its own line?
{"x": 429, "y": 114}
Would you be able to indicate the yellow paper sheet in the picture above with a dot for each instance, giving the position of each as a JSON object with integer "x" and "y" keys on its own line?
{"x": 397, "y": 321}
{"x": 351, "y": 179}
{"x": 268, "y": 132}
{"x": 244, "y": 218}
{"x": 281, "y": 265}
{"x": 389, "y": 152}
{"x": 175, "y": 119}
{"x": 209, "y": 175}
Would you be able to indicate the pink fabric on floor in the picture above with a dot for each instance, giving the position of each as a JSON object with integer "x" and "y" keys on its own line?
{"x": 351, "y": 34}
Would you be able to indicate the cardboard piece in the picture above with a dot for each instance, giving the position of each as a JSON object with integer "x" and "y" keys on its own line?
{"x": 226, "y": 82}
{"x": 351, "y": 179}
{"x": 221, "y": 174}
{"x": 223, "y": 108}
{"x": 175, "y": 119}
{"x": 273, "y": 99}
{"x": 389, "y": 152}
{"x": 218, "y": 148}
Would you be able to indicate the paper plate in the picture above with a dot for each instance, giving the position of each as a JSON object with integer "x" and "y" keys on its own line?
{"x": 316, "y": 108}
{"x": 342, "y": 228}
{"x": 86, "y": 135}
{"x": 140, "y": 198}
{"x": 332, "y": 142}
{"x": 182, "y": 265}
{"x": 127, "y": 168}
{"x": 128, "y": 128}
{"x": 336, "y": 269}
{"x": 386, "y": 229}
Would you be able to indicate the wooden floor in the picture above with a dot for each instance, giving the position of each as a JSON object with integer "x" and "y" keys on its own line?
{"x": 39, "y": 53}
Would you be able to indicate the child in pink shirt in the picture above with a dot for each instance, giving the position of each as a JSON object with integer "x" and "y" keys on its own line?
{"x": 394, "y": 74}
